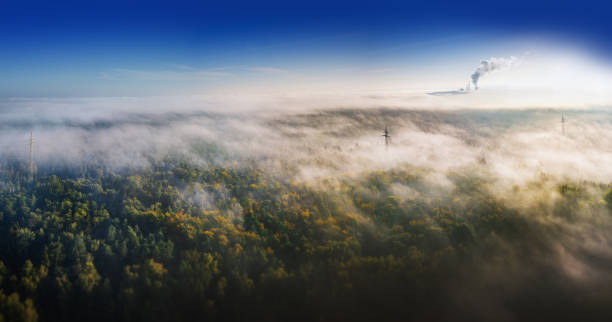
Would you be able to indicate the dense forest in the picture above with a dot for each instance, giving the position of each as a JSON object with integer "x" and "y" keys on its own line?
{"x": 178, "y": 242}
{"x": 224, "y": 238}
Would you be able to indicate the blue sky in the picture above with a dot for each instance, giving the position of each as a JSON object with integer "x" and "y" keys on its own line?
{"x": 106, "y": 48}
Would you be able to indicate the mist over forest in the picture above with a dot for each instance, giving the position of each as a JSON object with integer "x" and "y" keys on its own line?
{"x": 173, "y": 213}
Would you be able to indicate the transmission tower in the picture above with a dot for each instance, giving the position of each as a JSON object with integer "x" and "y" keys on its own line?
{"x": 387, "y": 137}
{"x": 562, "y": 123}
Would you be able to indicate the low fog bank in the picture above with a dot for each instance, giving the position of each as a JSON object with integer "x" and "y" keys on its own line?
{"x": 510, "y": 147}
{"x": 513, "y": 146}
{"x": 553, "y": 174}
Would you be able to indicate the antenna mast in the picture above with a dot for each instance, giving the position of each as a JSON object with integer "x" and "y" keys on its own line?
{"x": 31, "y": 160}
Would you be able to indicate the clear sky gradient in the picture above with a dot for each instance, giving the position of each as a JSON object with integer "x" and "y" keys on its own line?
{"x": 107, "y": 48}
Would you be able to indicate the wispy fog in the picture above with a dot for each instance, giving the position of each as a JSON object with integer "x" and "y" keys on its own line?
{"x": 513, "y": 145}
{"x": 520, "y": 155}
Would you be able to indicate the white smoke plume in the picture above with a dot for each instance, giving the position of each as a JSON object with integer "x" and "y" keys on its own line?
{"x": 492, "y": 64}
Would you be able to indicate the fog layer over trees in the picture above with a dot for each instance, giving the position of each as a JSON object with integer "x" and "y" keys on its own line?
{"x": 175, "y": 214}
